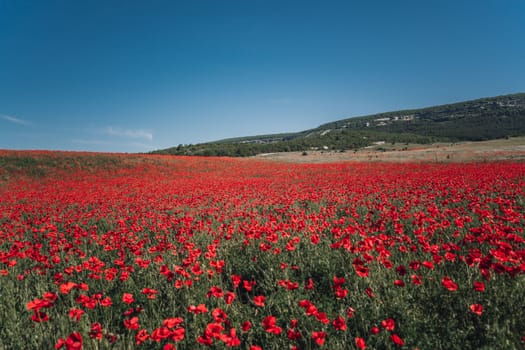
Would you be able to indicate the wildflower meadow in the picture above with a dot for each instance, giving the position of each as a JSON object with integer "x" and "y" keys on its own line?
{"x": 102, "y": 251}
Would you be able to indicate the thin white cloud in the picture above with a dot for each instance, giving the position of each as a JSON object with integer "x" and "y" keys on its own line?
{"x": 136, "y": 134}
{"x": 14, "y": 120}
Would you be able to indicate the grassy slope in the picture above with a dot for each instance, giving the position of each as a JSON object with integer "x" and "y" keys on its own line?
{"x": 482, "y": 119}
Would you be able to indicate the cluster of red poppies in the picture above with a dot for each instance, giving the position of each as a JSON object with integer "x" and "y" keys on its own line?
{"x": 170, "y": 252}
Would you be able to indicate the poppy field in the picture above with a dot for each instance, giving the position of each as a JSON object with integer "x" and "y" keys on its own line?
{"x": 101, "y": 251}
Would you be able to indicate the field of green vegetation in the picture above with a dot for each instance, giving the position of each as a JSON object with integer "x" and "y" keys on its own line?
{"x": 477, "y": 120}
{"x": 101, "y": 251}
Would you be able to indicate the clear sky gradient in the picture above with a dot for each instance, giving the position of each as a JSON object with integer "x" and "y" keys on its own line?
{"x": 134, "y": 76}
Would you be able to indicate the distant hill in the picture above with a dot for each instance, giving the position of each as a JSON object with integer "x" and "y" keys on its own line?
{"x": 476, "y": 120}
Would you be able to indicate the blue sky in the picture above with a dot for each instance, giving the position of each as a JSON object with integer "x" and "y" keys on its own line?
{"x": 134, "y": 76}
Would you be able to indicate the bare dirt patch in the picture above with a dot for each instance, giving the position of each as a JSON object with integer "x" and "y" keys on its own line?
{"x": 481, "y": 151}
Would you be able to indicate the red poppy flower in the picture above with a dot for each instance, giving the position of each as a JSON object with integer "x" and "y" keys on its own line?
{"x": 270, "y": 325}
{"x": 449, "y": 284}
{"x": 231, "y": 338}
{"x": 362, "y": 271}
{"x": 309, "y": 285}
{"x": 213, "y": 330}
{"x": 74, "y": 341}
{"x": 128, "y": 298}
{"x": 341, "y": 293}
{"x": 415, "y": 265}
{"x": 141, "y": 336}
{"x": 288, "y": 284}
{"x": 229, "y": 297}
{"x": 360, "y": 343}
{"x": 150, "y": 293}
{"x": 38, "y": 304}
{"x": 401, "y": 270}
{"x": 339, "y": 324}
{"x": 248, "y": 285}
{"x": 319, "y": 337}
{"x": 388, "y": 324}
{"x": 132, "y": 323}
{"x": 205, "y": 340}
{"x": 199, "y": 309}
{"x": 293, "y": 334}
{"x": 477, "y": 309}
{"x": 39, "y": 316}
{"x": 416, "y": 280}
{"x": 65, "y": 288}
{"x": 305, "y": 303}
{"x": 96, "y": 331}
{"x": 428, "y": 264}
{"x": 375, "y": 330}
{"x": 219, "y": 315}
{"x": 50, "y": 296}
{"x": 178, "y": 334}
{"x": 479, "y": 286}
{"x": 75, "y": 314}
{"x": 246, "y": 325}
{"x": 106, "y": 302}
{"x": 397, "y": 340}
{"x": 215, "y": 292}
{"x": 338, "y": 281}
{"x": 399, "y": 283}
{"x": 259, "y": 300}
{"x": 236, "y": 280}
{"x": 160, "y": 333}
{"x": 172, "y": 322}
{"x": 60, "y": 343}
